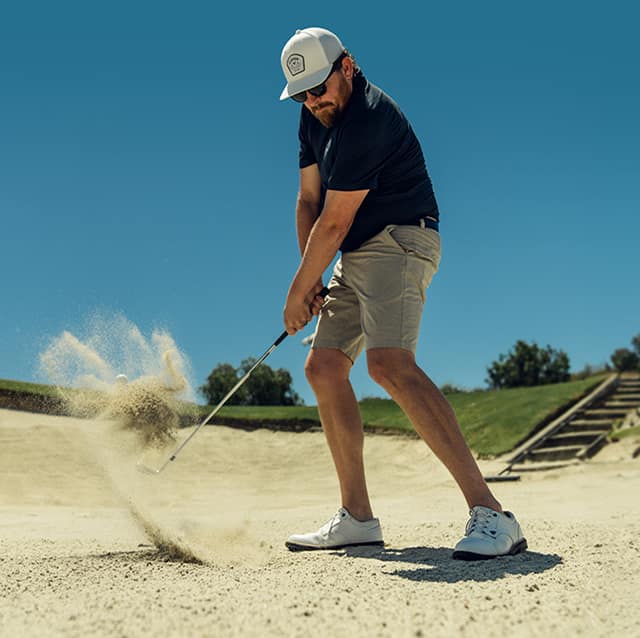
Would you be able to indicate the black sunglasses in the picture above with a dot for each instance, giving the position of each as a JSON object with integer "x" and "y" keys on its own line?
{"x": 320, "y": 89}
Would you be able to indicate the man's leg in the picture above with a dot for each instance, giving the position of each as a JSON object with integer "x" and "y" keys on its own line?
{"x": 327, "y": 370}
{"x": 433, "y": 418}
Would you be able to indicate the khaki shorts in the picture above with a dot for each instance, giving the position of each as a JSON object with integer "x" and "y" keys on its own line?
{"x": 377, "y": 292}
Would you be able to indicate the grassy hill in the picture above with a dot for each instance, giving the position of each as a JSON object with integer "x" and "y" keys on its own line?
{"x": 31, "y": 388}
{"x": 493, "y": 421}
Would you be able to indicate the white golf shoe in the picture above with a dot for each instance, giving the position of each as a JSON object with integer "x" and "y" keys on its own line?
{"x": 489, "y": 534}
{"x": 340, "y": 531}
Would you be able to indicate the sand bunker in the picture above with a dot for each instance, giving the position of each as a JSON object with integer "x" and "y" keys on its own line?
{"x": 74, "y": 561}
{"x": 89, "y": 546}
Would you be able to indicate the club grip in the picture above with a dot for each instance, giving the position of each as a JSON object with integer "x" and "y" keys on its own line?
{"x": 323, "y": 293}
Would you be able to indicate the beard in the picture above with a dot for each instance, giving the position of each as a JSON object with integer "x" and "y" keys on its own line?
{"x": 328, "y": 113}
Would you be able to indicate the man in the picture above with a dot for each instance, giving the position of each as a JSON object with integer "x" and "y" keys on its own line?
{"x": 364, "y": 190}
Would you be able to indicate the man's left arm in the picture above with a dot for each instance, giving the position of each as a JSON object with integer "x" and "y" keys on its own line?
{"x": 327, "y": 234}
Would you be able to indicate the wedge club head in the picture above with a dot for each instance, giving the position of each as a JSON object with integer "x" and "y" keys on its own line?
{"x": 145, "y": 469}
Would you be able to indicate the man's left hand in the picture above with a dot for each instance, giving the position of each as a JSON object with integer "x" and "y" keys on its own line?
{"x": 296, "y": 314}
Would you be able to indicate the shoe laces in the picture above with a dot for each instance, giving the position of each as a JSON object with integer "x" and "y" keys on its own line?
{"x": 327, "y": 528}
{"x": 482, "y": 521}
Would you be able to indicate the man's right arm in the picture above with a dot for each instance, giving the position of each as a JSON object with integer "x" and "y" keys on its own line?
{"x": 307, "y": 212}
{"x": 308, "y": 203}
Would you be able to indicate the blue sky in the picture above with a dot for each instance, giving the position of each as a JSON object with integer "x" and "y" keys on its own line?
{"x": 148, "y": 168}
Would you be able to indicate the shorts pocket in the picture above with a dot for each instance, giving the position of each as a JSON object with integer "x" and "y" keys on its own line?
{"x": 423, "y": 243}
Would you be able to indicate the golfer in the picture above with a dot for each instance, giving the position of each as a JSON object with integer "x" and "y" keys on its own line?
{"x": 365, "y": 191}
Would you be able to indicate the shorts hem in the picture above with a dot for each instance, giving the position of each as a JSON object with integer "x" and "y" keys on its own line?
{"x": 329, "y": 346}
{"x": 411, "y": 347}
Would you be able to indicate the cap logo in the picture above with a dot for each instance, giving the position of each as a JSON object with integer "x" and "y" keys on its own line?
{"x": 295, "y": 63}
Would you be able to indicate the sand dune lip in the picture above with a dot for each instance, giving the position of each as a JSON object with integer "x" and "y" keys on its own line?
{"x": 89, "y": 546}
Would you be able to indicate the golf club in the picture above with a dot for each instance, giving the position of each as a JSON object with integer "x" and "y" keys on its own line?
{"x": 148, "y": 470}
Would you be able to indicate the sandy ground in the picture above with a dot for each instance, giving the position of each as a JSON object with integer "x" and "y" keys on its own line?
{"x": 75, "y": 559}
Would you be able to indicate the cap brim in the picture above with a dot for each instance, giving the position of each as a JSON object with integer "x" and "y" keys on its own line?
{"x": 308, "y": 82}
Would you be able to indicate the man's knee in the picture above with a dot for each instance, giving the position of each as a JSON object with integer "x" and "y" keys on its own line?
{"x": 380, "y": 371}
{"x": 326, "y": 366}
{"x": 389, "y": 366}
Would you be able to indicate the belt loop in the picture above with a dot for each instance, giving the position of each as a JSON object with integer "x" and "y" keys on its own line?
{"x": 423, "y": 223}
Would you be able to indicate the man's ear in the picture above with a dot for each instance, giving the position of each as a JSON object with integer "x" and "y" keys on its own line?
{"x": 347, "y": 68}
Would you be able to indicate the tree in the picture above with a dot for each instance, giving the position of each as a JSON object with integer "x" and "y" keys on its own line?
{"x": 624, "y": 360}
{"x": 222, "y": 378}
{"x": 265, "y": 386}
{"x": 528, "y": 365}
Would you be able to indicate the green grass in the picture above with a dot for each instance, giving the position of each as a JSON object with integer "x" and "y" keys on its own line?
{"x": 31, "y": 388}
{"x": 493, "y": 421}
{"x": 266, "y": 412}
{"x": 616, "y": 435}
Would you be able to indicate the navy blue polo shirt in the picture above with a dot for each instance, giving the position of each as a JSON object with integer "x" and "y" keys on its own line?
{"x": 372, "y": 146}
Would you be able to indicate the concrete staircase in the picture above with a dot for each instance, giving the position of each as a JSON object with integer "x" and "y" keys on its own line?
{"x": 581, "y": 431}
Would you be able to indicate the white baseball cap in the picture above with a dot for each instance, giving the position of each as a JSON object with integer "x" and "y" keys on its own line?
{"x": 307, "y": 59}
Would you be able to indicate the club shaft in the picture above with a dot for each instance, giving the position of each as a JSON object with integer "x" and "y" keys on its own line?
{"x": 323, "y": 293}
{"x": 229, "y": 394}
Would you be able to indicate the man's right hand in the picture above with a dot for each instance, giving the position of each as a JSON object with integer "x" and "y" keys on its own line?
{"x": 314, "y": 300}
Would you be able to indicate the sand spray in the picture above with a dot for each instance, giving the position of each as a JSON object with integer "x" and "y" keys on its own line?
{"x": 89, "y": 370}
{"x": 134, "y": 391}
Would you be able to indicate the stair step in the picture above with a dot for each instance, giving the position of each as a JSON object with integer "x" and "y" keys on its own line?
{"x": 559, "y": 453}
{"x": 619, "y": 405}
{"x": 598, "y": 413}
{"x": 590, "y": 426}
{"x": 584, "y": 437}
{"x": 595, "y": 422}
{"x": 593, "y": 447}
{"x": 541, "y": 466}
